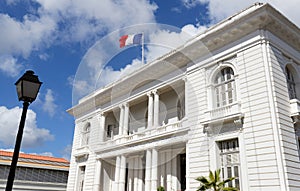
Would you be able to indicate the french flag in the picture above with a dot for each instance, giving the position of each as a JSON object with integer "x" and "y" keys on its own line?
{"x": 130, "y": 39}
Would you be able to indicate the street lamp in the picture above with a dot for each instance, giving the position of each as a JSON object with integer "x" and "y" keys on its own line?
{"x": 28, "y": 87}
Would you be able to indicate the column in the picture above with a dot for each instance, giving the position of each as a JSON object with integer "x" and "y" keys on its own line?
{"x": 102, "y": 127}
{"x": 140, "y": 174}
{"x": 135, "y": 174}
{"x": 162, "y": 169}
{"x": 121, "y": 120}
{"x": 150, "y": 110}
{"x": 169, "y": 171}
{"x": 117, "y": 173}
{"x": 174, "y": 170}
{"x": 122, "y": 173}
{"x": 126, "y": 119}
{"x": 130, "y": 174}
{"x": 148, "y": 170}
{"x": 96, "y": 186}
{"x": 154, "y": 170}
{"x": 156, "y": 109}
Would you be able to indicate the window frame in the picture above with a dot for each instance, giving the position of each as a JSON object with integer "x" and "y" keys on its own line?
{"x": 224, "y": 87}
{"x": 86, "y": 134}
{"x": 230, "y": 151}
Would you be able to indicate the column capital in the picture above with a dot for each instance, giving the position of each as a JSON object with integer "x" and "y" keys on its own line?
{"x": 126, "y": 104}
{"x": 121, "y": 106}
{"x": 149, "y": 94}
{"x": 184, "y": 78}
{"x": 155, "y": 92}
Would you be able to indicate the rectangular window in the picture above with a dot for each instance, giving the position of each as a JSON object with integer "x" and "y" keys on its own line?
{"x": 81, "y": 175}
{"x": 230, "y": 161}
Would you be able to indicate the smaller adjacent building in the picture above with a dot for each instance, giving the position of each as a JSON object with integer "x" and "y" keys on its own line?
{"x": 35, "y": 172}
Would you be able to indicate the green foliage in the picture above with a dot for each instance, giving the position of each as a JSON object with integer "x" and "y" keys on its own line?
{"x": 160, "y": 188}
{"x": 214, "y": 182}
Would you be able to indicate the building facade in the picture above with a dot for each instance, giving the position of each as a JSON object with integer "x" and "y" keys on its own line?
{"x": 228, "y": 99}
{"x": 35, "y": 172}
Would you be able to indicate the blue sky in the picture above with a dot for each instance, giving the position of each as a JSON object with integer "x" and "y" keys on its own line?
{"x": 69, "y": 43}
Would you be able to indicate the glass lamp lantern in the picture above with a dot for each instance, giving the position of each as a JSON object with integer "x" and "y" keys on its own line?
{"x": 28, "y": 87}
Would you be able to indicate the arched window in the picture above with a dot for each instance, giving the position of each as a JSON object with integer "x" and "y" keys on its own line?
{"x": 86, "y": 134}
{"x": 291, "y": 83}
{"x": 224, "y": 87}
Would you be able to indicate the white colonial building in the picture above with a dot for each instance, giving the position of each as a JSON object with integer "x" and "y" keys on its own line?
{"x": 229, "y": 98}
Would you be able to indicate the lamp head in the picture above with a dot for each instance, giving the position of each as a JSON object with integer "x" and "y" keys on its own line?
{"x": 28, "y": 86}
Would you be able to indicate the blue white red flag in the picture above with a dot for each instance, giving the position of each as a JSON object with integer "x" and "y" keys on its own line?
{"x": 130, "y": 39}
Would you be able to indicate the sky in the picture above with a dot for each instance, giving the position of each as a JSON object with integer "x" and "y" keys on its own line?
{"x": 72, "y": 45}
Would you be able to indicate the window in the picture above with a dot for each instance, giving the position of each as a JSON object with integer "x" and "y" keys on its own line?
{"x": 230, "y": 161}
{"x": 86, "y": 134}
{"x": 81, "y": 178}
{"x": 290, "y": 83}
{"x": 224, "y": 87}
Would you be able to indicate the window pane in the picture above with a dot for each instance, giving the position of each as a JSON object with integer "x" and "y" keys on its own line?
{"x": 224, "y": 87}
{"x": 229, "y": 175}
{"x": 290, "y": 83}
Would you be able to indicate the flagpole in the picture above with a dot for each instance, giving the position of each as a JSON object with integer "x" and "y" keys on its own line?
{"x": 143, "y": 48}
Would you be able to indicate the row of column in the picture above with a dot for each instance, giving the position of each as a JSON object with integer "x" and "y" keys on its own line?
{"x": 167, "y": 176}
{"x": 153, "y": 115}
{"x": 135, "y": 174}
{"x": 168, "y": 167}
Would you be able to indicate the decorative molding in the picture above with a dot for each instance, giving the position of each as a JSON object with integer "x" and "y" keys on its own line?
{"x": 155, "y": 92}
{"x": 82, "y": 158}
{"x": 239, "y": 120}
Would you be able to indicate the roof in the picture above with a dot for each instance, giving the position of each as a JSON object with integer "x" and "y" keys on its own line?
{"x": 35, "y": 160}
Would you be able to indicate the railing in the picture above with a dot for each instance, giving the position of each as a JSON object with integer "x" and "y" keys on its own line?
{"x": 224, "y": 111}
{"x": 172, "y": 126}
{"x": 295, "y": 107}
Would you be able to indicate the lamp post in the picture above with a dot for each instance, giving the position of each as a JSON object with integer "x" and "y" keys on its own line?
{"x": 28, "y": 87}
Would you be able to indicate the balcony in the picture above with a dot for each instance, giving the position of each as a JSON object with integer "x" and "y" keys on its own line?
{"x": 224, "y": 113}
{"x": 295, "y": 107}
{"x": 174, "y": 126}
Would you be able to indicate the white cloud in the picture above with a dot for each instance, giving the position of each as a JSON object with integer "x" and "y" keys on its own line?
{"x": 44, "y": 56}
{"x": 193, "y": 30}
{"x": 66, "y": 153}
{"x": 220, "y": 9}
{"x": 163, "y": 41}
{"x": 48, "y": 154}
{"x": 93, "y": 17}
{"x": 192, "y": 3}
{"x": 21, "y": 38}
{"x": 10, "y": 66}
{"x": 48, "y": 105}
{"x": 68, "y": 21}
{"x": 32, "y": 137}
